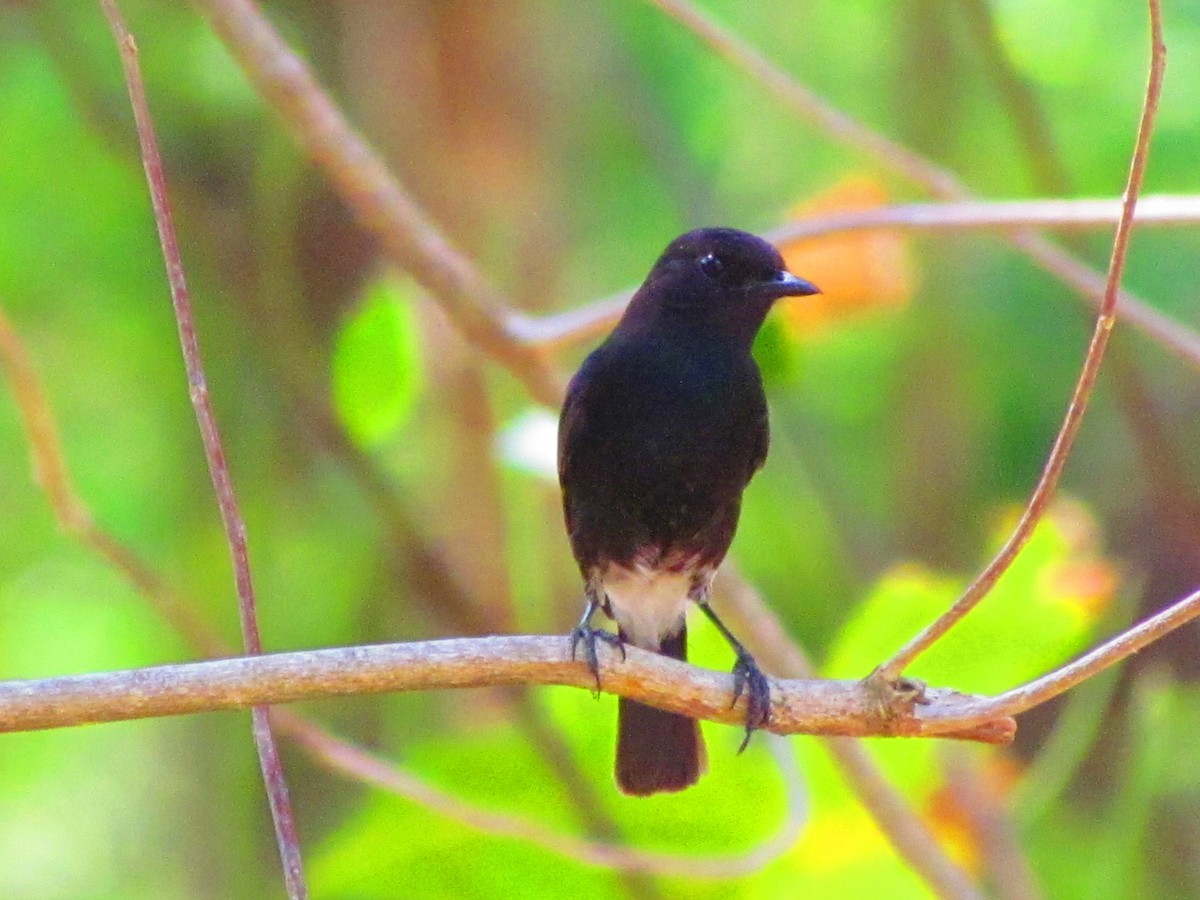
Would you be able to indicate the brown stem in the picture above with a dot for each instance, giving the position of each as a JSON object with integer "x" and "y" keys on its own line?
{"x": 381, "y": 202}
{"x": 356, "y": 763}
{"x": 218, "y": 467}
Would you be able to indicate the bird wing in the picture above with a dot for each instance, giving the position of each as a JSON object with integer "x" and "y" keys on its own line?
{"x": 762, "y": 442}
{"x": 570, "y": 424}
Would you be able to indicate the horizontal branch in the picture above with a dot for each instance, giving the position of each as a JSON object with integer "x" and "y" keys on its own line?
{"x": 798, "y": 706}
{"x": 996, "y": 215}
{"x": 1163, "y": 210}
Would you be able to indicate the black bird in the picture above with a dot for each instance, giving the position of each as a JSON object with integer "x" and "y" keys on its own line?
{"x": 662, "y": 429}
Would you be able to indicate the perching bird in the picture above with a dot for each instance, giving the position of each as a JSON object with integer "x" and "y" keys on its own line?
{"x": 663, "y": 427}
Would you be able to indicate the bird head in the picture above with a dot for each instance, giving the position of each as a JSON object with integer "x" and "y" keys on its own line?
{"x": 718, "y": 279}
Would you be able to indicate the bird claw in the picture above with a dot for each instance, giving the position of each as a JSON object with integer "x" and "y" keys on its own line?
{"x": 748, "y": 679}
{"x": 585, "y": 634}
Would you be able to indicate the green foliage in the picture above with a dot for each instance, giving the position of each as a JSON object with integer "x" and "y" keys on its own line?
{"x": 1031, "y": 621}
{"x": 376, "y": 365}
{"x": 561, "y": 146}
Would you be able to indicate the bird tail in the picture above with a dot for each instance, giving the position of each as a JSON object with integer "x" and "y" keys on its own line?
{"x": 658, "y": 751}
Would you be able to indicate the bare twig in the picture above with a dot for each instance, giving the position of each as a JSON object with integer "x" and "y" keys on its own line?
{"x": 1034, "y": 132}
{"x": 1108, "y": 654}
{"x": 1048, "y": 481}
{"x": 592, "y": 319}
{"x": 811, "y": 106}
{"x": 997, "y": 215}
{"x": 1061, "y": 680}
{"x": 797, "y": 706}
{"x": 382, "y": 204}
{"x": 235, "y": 528}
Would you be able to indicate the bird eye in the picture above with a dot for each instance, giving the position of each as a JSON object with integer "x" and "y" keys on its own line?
{"x": 711, "y": 265}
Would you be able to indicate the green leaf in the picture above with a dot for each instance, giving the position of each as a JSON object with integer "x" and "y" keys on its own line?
{"x": 1041, "y": 612}
{"x": 377, "y": 365}
{"x": 776, "y": 353}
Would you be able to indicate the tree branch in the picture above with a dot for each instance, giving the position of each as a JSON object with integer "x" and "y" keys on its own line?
{"x": 797, "y": 706}
{"x": 368, "y": 768}
{"x": 1091, "y": 663}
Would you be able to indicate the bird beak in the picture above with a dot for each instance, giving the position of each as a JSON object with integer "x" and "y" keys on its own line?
{"x": 788, "y": 285}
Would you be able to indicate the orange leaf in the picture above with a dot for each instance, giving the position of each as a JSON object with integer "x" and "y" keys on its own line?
{"x": 958, "y": 827}
{"x": 857, "y": 271}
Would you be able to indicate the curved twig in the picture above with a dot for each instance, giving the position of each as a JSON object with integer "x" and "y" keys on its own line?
{"x": 1043, "y": 492}
{"x": 362, "y": 766}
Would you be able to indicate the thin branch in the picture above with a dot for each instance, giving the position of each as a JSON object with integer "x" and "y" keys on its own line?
{"x": 231, "y": 517}
{"x": 1048, "y": 481}
{"x": 381, "y": 202}
{"x": 810, "y": 105}
{"x": 1061, "y": 680}
{"x": 997, "y": 215}
{"x": 1108, "y": 654}
{"x": 844, "y": 708}
{"x": 1034, "y": 132}
{"x": 592, "y": 319}
{"x": 1179, "y": 340}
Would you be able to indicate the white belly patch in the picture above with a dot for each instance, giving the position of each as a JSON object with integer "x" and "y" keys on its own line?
{"x": 648, "y": 604}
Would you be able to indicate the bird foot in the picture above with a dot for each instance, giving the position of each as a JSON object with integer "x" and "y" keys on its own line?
{"x": 585, "y": 634}
{"x": 748, "y": 679}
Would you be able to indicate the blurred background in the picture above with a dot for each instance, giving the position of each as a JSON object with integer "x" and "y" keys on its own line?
{"x": 398, "y": 484}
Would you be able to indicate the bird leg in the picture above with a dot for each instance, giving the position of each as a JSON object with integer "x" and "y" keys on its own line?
{"x": 748, "y": 678}
{"x": 585, "y": 634}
